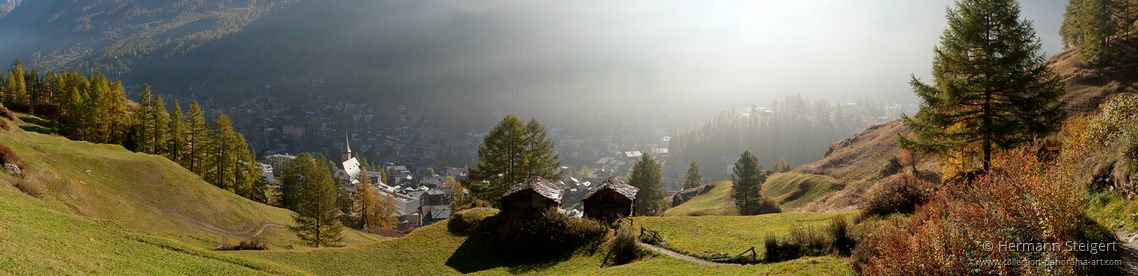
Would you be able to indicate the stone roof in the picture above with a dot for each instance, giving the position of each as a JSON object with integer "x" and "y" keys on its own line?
{"x": 539, "y": 185}
{"x": 617, "y": 185}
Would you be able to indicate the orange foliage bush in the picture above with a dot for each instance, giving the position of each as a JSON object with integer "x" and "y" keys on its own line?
{"x": 7, "y": 113}
{"x": 1022, "y": 200}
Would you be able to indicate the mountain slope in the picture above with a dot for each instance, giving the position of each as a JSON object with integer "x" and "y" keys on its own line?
{"x": 38, "y": 239}
{"x": 146, "y": 194}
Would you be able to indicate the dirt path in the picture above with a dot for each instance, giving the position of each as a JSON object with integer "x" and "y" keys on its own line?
{"x": 677, "y": 255}
{"x": 1129, "y": 251}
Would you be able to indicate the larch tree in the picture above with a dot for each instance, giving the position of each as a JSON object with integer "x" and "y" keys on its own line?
{"x": 158, "y": 120}
{"x": 992, "y": 90}
{"x": 692, "y": 178}
{"x": 782, "y": 166}
{"x": 747, "y": 177}
{"x": 176, "y": 148}
{"x": 292, "y": 180}
{"x": 373, "y": 212}
{"x": 197, "y": 139}
{"x": 143, "y": 141}
{"x": 317, "y": 218}
{"x": 511, "y": 153}
{"x": 221, "y": 160}
{"x": 646, "y": 176}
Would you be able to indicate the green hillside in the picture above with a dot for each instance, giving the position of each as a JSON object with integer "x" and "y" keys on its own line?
{"x": 791, "y": 190}
{"x": 143, "y": 193}
{"x": 717, "y": 202}
{"x": 795, "y": 190}
{"x": 433, "y": 250}
{"x": 36, "y": 238}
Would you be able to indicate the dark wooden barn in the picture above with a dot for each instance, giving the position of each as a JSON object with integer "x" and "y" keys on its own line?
{"x": 532, "y": 197}
{"x": 611, "y": 198}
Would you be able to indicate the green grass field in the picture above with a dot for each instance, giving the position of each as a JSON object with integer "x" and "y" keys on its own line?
{"x": 717, "y": 202}
{"x": 433, "y": 250}
{"x": 708, "y": 235}
{"x": 795, "y": 190}
{"x": 39, "y": 239}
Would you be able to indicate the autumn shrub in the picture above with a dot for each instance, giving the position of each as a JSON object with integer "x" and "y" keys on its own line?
{"x": 898, "y": 194}
{"x": 768, "y": 205}
{"x": 962, "y": 227}
{"x": 8, "y": 156}
{"x": 4, "y": 125}
{"x": 257, "y": 243}
{"x": 799, "y": 242}
{"x": 11, "y": 116}
{"x": 841, "y": 241}
{"x": 550, "y": 231}
{"x": 623, "y": 248}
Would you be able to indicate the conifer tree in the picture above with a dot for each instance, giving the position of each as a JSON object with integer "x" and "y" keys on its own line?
{"x": 292, "y": 180}
{"x": 119, "y": 128}
{"x": 646, "y": 176}
{"x": 782, "y": 166}
{"x": 992, "y": 89}
{"x": 158, "y": 120}
{"x": 197, "y": 139}
{"x": 747, "y": 177}
{"x": 317, "y": 218}
{"x": 221, "y": 160}
{"x": 15, "y": 88}
{"x": 143, "y": 136}
{"x": 692, "y": 178}
{"x": 373, "y": 212}
{"x": 176, "y": 148}
{"x": 511, "y": 153}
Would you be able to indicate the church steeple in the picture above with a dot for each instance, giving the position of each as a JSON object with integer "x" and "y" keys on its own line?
{"x": 347, "y": 148}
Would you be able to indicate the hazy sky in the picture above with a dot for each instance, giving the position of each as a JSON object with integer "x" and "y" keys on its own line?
{"x": 734, "y": 52}
{"x": 728, "y": 49}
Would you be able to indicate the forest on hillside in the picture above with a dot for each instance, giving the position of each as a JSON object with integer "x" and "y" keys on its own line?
{"x": 795, "y": 128}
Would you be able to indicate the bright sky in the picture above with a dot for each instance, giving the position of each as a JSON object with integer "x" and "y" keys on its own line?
{"x": 728, "y": 49}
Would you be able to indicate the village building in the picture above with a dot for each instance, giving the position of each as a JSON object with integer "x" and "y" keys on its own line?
{"x": 531, "y": 197}
{"x": 610, "y": 200}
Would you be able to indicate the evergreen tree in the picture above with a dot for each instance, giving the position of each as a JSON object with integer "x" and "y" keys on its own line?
{"x": 16, "y": 94}
{"x": 692, "y": 178}
{"x": 197, "y": 139}
{"x": 292, "y": 180}
{"x": 221, "y": 160}
{"x": 782, "y": 166}
{"x": 158, "y": 120}
{"x": 541, "y": 160}
{"x": 143, "y": 135}
{"x": 748, "y": 179}
{"x": 511, "y": 153}
{"x": 119, "y": 118}
{"x": 992, "y": 89}
{"x": 317, "y": 217}
{"x": 646, "y": 176}
{"x": 176, "y": 148}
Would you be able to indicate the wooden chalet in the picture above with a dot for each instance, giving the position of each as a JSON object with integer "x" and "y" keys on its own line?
{"x": 532, "y": 197}
{"x": 611, "y": 198}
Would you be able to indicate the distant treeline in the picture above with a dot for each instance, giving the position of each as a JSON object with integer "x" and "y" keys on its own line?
{"x": 795, "y": 128}
{"x": 95, "y": 109}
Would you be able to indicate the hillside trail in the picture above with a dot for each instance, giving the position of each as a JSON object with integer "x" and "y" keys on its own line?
{"x": 1129, "y": 251}
{"x": 677, "y": 255}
